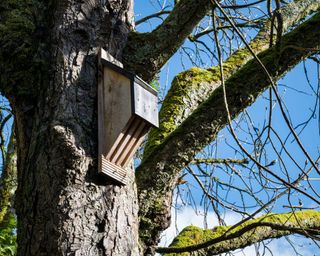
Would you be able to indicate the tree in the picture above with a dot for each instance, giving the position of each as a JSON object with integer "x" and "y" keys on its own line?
{"x": 48, "y": 62}
{"x": 7, "y": 187}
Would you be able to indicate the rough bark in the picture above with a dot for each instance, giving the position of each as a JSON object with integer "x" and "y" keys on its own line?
{"x": 63, "y": 207}
{"x": 154, "y": 49}
{"x": 202, "y": 126}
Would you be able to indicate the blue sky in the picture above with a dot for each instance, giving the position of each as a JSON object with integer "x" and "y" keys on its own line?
{"x": 297, "y": 91}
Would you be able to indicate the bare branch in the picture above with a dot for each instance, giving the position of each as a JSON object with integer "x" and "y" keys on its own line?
{"x": 154, "y": 15}
{"x": 219, "y": 161}
{"x": 195, "y": 85}
{"x": 156, "y": 181}
{"x": 242, "y": 5}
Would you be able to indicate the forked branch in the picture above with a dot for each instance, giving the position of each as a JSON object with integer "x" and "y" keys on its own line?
{"x": 154, "y": 49}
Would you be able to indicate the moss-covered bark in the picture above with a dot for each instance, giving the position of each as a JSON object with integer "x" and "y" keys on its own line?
{"x": 192, "y": 87}
{"x": 8, "y": 180}
{"x": 227, "y": 238}
{"x": 159, "y": 172}
{"x": 23, "y": 30}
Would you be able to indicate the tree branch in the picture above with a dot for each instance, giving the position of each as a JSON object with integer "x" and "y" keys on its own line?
{"x": 195, "y": 85}
{"x": 154, "y": 49}
{"x": 154, "y": 15}
{"x": 8, "y": 180}
{"x": 223, "y": 239}
{"x": 219, "y": 161}
{"x": 158, "y": 173}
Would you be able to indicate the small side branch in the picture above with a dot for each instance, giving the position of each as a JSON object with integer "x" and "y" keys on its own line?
{"x": 219, "y": 161}
{"x": 154, "y": 15}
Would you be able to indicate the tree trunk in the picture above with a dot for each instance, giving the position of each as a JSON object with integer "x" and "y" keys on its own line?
{"x": 63, "y": 206}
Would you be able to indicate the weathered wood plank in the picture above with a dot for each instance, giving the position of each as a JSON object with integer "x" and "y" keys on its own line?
{"x": 133, "y": 135}
{"x": 135, "y": 146}
{"x": 113, "y": 171}
{"x": 127, "y": 108}
{"x": 127, "y": 134}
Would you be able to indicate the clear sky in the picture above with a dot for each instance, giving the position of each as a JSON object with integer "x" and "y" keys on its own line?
{"x": 298, "y": 90}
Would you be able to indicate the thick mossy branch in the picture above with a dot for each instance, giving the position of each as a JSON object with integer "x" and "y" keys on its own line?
{"x": 157, "y": 175}
{"x": 22, "y": 29}
{"x": 152, "y": 50}
{"x": 8, "y": 180}
{"x": 195, "y": 85}
{"x": 227, "y": 238}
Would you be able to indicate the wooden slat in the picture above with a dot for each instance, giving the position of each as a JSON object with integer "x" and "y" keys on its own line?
{"x": 135, "y": 146}
{"x": 106, "y": 56}
{"x": 113, "y": 171}
{"x": 135, "y": 124}
{"x": 130, "y": 145}
{"x": 119, "y": 140}
{"x": 101, "y": 107}
{"x": 145, "y": 102}
{"x": 117, "y": 107}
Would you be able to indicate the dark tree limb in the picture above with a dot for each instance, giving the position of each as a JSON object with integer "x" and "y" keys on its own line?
{"x": 154, "y": 15}
{"x": 219, "y": 161}
{"x": 153, "y": 50}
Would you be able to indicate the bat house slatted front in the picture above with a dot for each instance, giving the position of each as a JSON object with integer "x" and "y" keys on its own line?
{"x": 127, "y": 109}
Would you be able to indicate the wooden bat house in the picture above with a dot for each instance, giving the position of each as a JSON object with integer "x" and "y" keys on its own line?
{"x": 127, "y": 109}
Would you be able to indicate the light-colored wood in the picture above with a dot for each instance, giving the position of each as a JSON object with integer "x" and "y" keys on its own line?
{"x": 106, "y": 56}
{"x": 101, "y": 121}
{"x": 113, "y": 171}
{"x": 117, "y": 111}
{"x": 145, "y": 102}
{"x": 119, "y": 140}
{"x": 128, "y": 133}
{"x": 127, "y": 108}
{"x": 133, "y": 137}
{"x": 135, "y": 146}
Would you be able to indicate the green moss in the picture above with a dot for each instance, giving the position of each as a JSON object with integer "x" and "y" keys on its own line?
{"x": 182, "y": 85}
{"x": 189, "y": 88}
{"x": 8, "y": 245}
{"x": 8, "y": 179}
{"x": 192, "y": 235}
{"x": 21, "y": 50}
{"x": 189, "y": 236}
